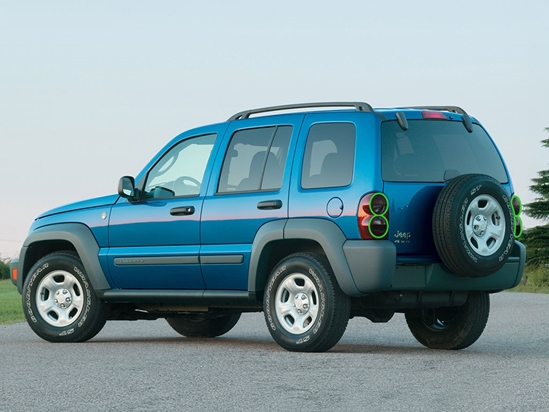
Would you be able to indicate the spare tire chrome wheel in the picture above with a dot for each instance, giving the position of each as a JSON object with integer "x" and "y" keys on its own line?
{"x": 473, "y": 225}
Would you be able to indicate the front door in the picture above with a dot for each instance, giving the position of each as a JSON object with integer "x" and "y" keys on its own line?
{"x": 155, "y": 241}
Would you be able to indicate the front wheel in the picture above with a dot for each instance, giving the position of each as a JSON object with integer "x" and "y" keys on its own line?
{"x": 305, "y": 309}
{"x": 59, "y": 302}
{"x": 453, "y": 327}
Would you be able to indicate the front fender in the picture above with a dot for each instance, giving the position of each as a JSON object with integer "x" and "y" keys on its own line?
{"x": 78, "y": 235}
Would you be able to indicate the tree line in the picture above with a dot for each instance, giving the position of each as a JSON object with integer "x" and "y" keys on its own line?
{"x": 4, "y": 269}
{"x": 536, "y": 239}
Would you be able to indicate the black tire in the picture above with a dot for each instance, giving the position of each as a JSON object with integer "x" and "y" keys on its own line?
{"x": 59, "y": 302}
{"x": 305, "y": 309}
{"x": 198, "y": 326}
{"x": 451, "y": 328}
{"x": 473, "y": 225}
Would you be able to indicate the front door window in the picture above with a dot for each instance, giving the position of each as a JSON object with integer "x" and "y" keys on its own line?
{"x": 181, "y": 170}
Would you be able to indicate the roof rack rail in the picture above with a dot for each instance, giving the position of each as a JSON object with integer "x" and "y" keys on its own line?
{"x": 359, "y": 106}
{"x": 454, "y": 109}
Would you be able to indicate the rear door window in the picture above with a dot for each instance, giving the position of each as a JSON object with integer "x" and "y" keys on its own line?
{"x": 436, "y": 151}
{"x": 255, "y": 160}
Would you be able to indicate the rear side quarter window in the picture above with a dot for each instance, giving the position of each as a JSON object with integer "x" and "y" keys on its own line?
{"x": 329, "y": 156}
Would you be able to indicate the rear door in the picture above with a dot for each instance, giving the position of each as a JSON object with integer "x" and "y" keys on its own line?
{"x": 248, "y": 188}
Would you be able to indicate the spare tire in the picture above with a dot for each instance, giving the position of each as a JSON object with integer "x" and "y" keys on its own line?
{"x": 473, "y": 225}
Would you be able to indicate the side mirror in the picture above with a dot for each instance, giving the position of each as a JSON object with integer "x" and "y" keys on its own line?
{"x": 126, "y": 187}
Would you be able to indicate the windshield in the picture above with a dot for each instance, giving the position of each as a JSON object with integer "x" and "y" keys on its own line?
{"x": 436, "y": 151}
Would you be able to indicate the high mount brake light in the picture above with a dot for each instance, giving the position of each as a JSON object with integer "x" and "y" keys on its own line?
{"x": 434, "y": 115}
{"x": 373, "y": 220}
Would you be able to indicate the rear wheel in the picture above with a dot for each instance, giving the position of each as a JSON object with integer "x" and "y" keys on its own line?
{"x": 305, "y": 309}
{"x": 198, "y": 326}
{"x": 59, "y": 302}
{"x": 453, "y": 327}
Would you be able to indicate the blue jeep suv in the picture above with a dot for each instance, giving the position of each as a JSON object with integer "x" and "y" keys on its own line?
{"x": 312, "y": 213}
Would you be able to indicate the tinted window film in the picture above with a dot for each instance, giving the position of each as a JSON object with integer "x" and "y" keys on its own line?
{"x": 181, "y": 170}
{"x": 255, "y": 160}
{"x": 436, "y": 151}
{"x": 329, "y": 156}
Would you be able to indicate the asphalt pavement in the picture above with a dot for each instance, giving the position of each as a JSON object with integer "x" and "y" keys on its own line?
{"x": 146, "y": 366}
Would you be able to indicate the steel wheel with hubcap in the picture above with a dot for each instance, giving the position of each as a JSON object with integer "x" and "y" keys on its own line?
{"x": 305, "y": 309}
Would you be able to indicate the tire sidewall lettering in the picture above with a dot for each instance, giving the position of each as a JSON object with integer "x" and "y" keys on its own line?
{"x": 320, "y": 318}
{"x": 511, "y": 240}
{"x": 268, "y": 311}
{"x": 463, "y": 238}
{"x": 28, "y": 291}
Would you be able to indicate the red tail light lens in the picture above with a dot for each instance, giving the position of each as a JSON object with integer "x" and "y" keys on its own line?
{"x": 516, "y": 204}
{"x": 518, "y": 227}
{"x": 373, "y": 220}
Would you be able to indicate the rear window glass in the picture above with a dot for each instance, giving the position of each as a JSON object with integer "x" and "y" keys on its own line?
{"x": 436, "y": 151}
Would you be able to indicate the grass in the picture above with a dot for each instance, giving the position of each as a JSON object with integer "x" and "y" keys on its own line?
{"x": 535, "y": 280}
{"x": 530, "y": 289}
{"x": 11, "y": 310}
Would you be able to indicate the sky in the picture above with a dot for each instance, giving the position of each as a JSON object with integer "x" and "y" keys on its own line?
{"x": 90, "y": 91}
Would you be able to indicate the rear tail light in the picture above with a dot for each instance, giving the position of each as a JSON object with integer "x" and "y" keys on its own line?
{"x": 373, "y": 222}
{"x": 516, "y": 204}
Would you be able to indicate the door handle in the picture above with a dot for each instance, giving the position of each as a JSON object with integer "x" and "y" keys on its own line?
{"x": 270, "y": 204}
{"x": 182, "y": 211}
